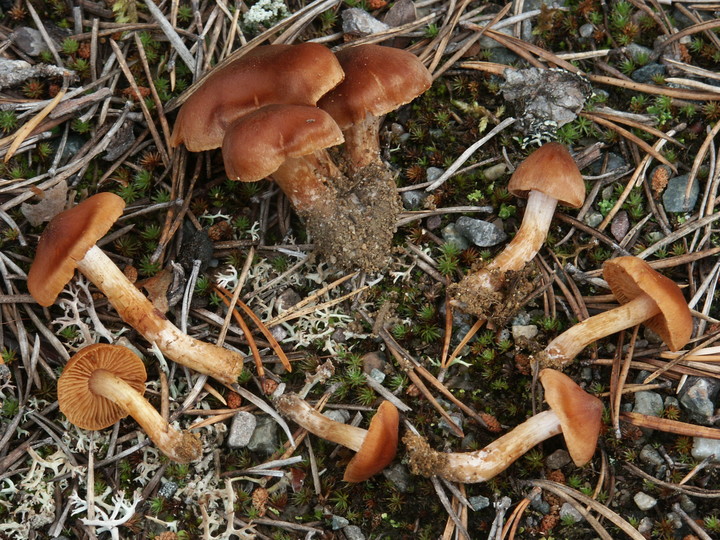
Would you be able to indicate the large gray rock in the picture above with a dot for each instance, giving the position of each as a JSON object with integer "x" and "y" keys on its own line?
{"x": 479, "y": 232}
{"x": 674, "y": 195}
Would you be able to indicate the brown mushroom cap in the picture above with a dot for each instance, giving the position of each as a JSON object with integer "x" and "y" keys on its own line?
{"x": 82, "y": 407}
{"x": 294, "y": 74}
{"x": 379, "y": 447}
{"x": 377, "y": 80}
{"x": 580, "y": 414}
{"x": 551, "y": 170}
{"x": 629, "y": 277}
{"x": 66, "y": 239}
{"x": 256, "y": 144}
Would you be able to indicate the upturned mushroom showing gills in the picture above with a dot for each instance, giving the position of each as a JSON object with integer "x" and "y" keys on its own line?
{"x": 573, "y": 412}
{"x": 646, "y": 297}
{"x": 378, "y": 80}
{"x": 68, "y": 242}
{"x": 103, "y": 383}
{"x": 284, "y": 74}
{"x": 548, "y": 177}
{"x": 376, "y": 446}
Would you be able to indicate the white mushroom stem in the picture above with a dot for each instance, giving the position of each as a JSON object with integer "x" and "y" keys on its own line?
{"x": 522, "y": 248}
{"x": 362, "y": 142}
{"x": 299, "y": 411}
{"x": 564, "y": 348}
{"x": 136, "y": 310}
{"x": 304, "y": 180}
{"x": 177, "y": 445}
{"x": 483, "y": 464}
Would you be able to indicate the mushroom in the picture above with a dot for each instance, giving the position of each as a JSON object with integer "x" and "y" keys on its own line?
{"x": 573, "y": 412}
{"x": 103, "y": 383}
{"x": 68, "y": 242}
{"x": 376, "y": 446}
{"x": 296, "y": 74}
{"x": 286, "y": 143}
{"x": 646, "y": 296}
{"x": 549, "y": 176}
{"x": 377, "y": 81}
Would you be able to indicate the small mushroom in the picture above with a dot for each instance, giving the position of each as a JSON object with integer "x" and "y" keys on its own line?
{"x": 573, "y": 412}
{"x": 548, "y": 177}
{"x": 377, "y": 81}
{"x": 646, "y": 297}
{"x": 68, "y": 242}
{"x": 286, "y": 143}
{"x": 293, "y": 74}
{"x": 103, "y": 383}
{"x": 376, "y": 446}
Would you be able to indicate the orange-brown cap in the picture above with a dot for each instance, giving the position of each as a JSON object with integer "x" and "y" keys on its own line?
{"x": 256, "y": 144}
{"x": 551, "y": 170}
{"x": 84, "y": 408}
{"x": 294, "y": 74}
{"x": 379, "y": 447}
{"x": 66, "y": 239}
{"x": 580, "y": 414}
{"x": 377, "y": 80}
{"x": 630, "y": 277}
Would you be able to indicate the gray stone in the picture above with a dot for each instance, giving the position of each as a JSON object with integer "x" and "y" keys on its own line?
{"x": 29, "y": 41}
{"x": 413, "y": 199}
{"x": 338, "y": 415}
{"x": 452, "y": 236}
{"x": 646, "y": 73}
{"x": 287, "y": 299}
{"x": 264, "y": 439}
{"x": 586, "y": 30}
{"x": 540, "y": 505}
{"x": 478, "y": 502}
{"x": 593, "y": 219}
{"x": 479, "y": 232}
{"x": 433, "y": 173}
{"x": 614, "y": 161}
{"x": 558, "y": 459}
{"x": 496, "y": 171}
{"x": 638, "y": 52}
{"x": 674, "y": 195}
{"x": 360, "y": 23}
{"x": 241, "y": 429}
{"x": 644, "y": 501}
{"x": 645, "y": 526}
{"x": 401, "y": 478}
{"x": 167, "y": 489}
{"x": 502, "y": 55}
{"x": 338, "y": 522}
{"x": 433, "y": 222}
{"x": 353, "y": 532}
{"x": 455, "y": 417}
{"x": 704, "y": 448}
{"x": 524, "y": 331}
{"x": 567, "y": 511}
{"x": 489, "y": 43}
{"x": 620, "y": 225}
{"x": 651, "y": 456}
{"x": 650, "y": 403}
{"x": 698, "y": 397}
{"x": 377, "y": 375}
{"x": 687, "y": 504}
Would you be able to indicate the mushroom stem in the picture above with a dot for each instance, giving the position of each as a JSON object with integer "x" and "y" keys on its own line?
{"x": 522, "y": 248}
{"x": 177, "y": 445}
{"x": 564, "y": 348}
{"x": 304, "y": 179}
{"x": 483, "y": 464}
{"x": 299, "y": 411}
{"x": 136, "y": 310}
{"x": 362, "y": 142}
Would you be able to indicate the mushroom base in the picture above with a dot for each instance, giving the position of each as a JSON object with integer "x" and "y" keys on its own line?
{"x": 354, "y": 228}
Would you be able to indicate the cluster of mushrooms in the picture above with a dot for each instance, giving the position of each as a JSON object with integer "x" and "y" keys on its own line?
{"x": 275, "y": 112}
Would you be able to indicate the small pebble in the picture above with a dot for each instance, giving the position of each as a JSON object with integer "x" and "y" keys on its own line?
{"x": 479, "y": 232}
{"x": 241, "y": 429}
{"x": 644, "y": 501}
{"x": 674, "y": 195}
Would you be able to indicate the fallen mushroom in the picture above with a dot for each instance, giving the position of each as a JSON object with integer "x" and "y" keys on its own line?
{"x": 103, "y": 383}
{"x": 646, "y": 297}
{"x": 378, "y": 80}
{"x": 290, "y": 74}
{"x": 376, "y": 446}
{"x": 548, "y": 177}
{"x": 68, "y": 242}
{"x": 573, "y": 412}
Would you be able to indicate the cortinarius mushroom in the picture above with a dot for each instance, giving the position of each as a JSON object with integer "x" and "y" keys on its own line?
{"x": 377, "y": 81}
{"x": 68, "y": 242}
{"x": 103, "y": 383}
{"x": 549, "y": 176}
{"x": 645, "y": 295}
{"x": 376, "y": 446}
{"x": 297, "y": 74}
{"x": 573, "y": 412}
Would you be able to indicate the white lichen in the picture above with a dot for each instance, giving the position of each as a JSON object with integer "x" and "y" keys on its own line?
{"x": 265, "y": 12}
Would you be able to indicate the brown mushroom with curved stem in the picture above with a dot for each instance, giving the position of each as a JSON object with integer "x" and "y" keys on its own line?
{"x": 646, "y": 297}
{"x": 68, "y": 242}
{"x": 375, "y": 447}
{"x": 548, "y": 177}
{"x": 284, "y": 74}
{"x": 103, "y": 383}
{"x": 573, "y": 412}
{"x": 378, "y": 80}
